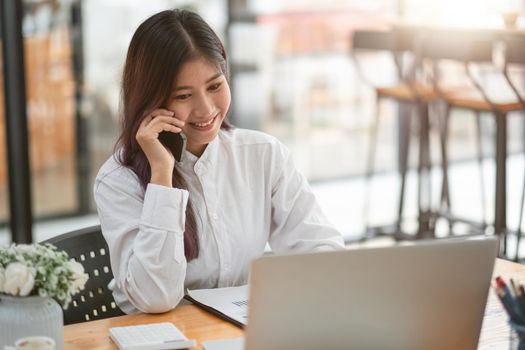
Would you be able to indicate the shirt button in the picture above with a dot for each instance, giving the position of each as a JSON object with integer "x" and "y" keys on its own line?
{"x": 215, "y": 216}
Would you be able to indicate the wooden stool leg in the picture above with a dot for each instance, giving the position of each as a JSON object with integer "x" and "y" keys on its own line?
{"x": 500, "y": 217}
{"x": 370, "y": 162}
{"x": 480, "y": 165}
{"x": 403, "y": 165}
{"x": 444, "y": 203}
{"x": 520, "y": 220}
{"x": 425, "y": 225}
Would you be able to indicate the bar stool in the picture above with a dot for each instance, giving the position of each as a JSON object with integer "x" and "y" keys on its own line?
{"x": 465, "y": 49}
{"x": 470, "y": 49}
{"x": 406, "y": 92}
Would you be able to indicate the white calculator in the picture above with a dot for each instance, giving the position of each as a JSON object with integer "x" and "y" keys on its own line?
{"x": 151, "y": 336}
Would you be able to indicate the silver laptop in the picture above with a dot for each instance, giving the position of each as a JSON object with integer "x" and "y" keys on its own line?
{"x": 426, "y": 295}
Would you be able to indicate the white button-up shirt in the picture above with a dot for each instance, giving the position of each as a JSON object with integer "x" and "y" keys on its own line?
{"x": 245, "y": 191}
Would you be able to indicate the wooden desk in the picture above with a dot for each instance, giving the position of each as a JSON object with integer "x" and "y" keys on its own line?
{"x": 192, "y": 321}
{"x": 200, "y": 325}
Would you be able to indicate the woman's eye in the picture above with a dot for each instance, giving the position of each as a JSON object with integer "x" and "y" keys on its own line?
{"x": 214, "y": 86}
{"x": 182, "y": 97}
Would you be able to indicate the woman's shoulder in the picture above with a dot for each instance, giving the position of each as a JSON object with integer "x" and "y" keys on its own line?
{"x": 113, "y": 171}
{"x": 255, "y": 146}
{"x": 246, "y": 137}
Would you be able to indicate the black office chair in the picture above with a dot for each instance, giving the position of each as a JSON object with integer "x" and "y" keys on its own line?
{"x": 88, "y": 247}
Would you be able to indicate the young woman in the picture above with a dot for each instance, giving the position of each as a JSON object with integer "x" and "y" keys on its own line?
{"x": 200, "y": 221}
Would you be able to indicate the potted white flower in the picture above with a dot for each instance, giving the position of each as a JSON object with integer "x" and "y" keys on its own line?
{"x": 33, "y": 278}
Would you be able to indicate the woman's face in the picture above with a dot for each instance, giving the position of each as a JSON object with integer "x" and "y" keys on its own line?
{"x": 201, "y": 98}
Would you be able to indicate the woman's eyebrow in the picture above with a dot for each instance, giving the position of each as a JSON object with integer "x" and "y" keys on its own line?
{"x": 215, "y": 76}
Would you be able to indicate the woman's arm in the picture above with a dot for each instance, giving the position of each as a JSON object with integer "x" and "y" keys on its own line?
{"x": 298, "y": 223}
{"x": 145, "y": 236}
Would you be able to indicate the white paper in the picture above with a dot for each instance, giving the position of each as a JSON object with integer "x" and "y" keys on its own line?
{"x": 231, "y": 301}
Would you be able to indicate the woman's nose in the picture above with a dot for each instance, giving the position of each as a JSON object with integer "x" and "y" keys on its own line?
{"x": 204, "y": 107}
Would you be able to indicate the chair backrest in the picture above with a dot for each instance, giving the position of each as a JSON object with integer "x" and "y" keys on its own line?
{"x": 514, "y": 56}
{"x": 88, "y": 247}
{"x": 464, "y": 47}
{"x": 396, "y": 42}
{"x": 405, "y": 38}
{"x": 514, "y": 49}
{"x": 373, "y": 40}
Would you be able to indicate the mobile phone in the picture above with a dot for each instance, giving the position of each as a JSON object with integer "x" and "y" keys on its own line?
{"x": 172, "y": 141}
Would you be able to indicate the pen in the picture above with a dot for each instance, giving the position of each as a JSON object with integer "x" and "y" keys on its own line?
{"x": 501, "y": 295}
{"x": 521, "y": 298}
{"x": 501, "y": 283}
{"x": 508, "y": 301}
{"x": 514, "y": 287}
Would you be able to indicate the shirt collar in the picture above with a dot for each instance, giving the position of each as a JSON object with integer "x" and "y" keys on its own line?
{"x": 206, "y": 158}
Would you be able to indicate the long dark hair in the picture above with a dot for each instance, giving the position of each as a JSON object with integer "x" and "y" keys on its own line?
{"x": 159, "y": 48}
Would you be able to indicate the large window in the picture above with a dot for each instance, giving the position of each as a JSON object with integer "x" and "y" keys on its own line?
{"x": 292, "y": 77}
{"x": 299, "y": 83}
{"x": 51, "y": 110}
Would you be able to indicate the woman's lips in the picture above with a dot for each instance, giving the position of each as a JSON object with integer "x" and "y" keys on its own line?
{"x": 204, "y": 125}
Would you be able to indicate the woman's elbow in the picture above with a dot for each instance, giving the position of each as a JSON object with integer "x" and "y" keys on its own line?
{"x": 161, "y": 306}
{"x": 158, "y": 301}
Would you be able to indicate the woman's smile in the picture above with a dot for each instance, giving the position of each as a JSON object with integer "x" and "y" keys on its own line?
{"x": 204, "y": 126}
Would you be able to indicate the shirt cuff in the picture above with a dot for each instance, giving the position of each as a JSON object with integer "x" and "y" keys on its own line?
{"x": 164, "y": 208}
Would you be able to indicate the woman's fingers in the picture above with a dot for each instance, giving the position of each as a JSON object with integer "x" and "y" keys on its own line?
{"x": 156, "y": 122}
{"x": 168, "y": 120}
{"x": 160, "y": 112}
{"x": 147, "y": 136}
{"x": 168, "y": 127}
{"x": 156, "y": 126}
{"x": 155, "y": 113}
{"x": 178, "y": 122}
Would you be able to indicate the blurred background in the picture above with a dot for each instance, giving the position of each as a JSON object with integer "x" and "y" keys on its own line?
{"x": 293, "y": 76}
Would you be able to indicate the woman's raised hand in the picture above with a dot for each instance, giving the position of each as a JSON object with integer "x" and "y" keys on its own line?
{"x": 159, "y": 157}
